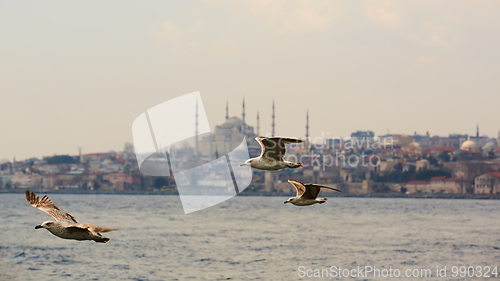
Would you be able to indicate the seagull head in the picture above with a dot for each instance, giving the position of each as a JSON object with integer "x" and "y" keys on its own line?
{"x": 247, "y": 163}
{"x": 47, "y": 224}
{"x": 290, "y": 200}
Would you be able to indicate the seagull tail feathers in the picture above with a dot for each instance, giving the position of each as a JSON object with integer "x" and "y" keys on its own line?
{"x": 96, "y": 229}
{"x": 294, "y": 165}
{"x": 101, "y": 239}
{"x": 106, "y": 229}
{"x": 322, "y": 200}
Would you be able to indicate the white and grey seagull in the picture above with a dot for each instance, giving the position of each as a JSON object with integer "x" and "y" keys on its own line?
{"x": 307, "y": 193}
{"x": 65, "y": 226}
{"x": 272, "y": 154}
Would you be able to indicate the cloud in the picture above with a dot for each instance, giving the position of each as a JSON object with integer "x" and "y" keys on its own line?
{"x": 425, "y": 60}
{"x": 182, "y": 41}
{"x": 187, "y": 42}
{"x": 432, "y": 34}
{"x": 451, "y": 18}
{"x": 293, "y": 15}
{"x": 384, "y": 13}
{"x": 429, "y": 24}
{"x": 168, "y": 33}
{"x": 225, "y": 47}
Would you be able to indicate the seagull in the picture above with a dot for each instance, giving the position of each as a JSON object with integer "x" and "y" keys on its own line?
{"x": 65, "y": 225}
{"x": 271, "y": 156}
{"x": 307, "y": 193}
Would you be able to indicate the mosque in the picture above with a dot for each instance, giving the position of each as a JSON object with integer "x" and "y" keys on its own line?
{"x": 230, "y": 134}
{"x": 478, "y": 143}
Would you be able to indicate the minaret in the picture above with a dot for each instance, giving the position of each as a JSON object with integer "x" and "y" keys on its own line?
{"x": 273, "y": 121}
{"x": 258, "y": 125}
{"x": 227, "y": 110}
{"x": 196, "y": 126}
{"x": 243, "y": 117}
{"x": 307, "y": 126}
{"x": 498, "y": 138}
{"x": 80, "y": 154}
{"x": 477, "y": 131}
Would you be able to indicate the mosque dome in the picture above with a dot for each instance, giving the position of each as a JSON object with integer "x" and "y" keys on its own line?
{"x": 490, "y": 146}
{"x": 469, "y": 145}
{"x": 415, "y": 145}
{"x": 233, "y": 121}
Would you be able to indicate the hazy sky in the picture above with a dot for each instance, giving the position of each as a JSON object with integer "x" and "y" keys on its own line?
{"x": 77, "y": 73}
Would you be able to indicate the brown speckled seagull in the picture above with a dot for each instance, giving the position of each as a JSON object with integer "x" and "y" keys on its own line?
{"x": 65, "y": 226}
{"x": 307, "y": 193}
{"x": 272, "y": 154}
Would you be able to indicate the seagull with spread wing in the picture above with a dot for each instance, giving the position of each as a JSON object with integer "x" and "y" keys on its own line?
{"x": 65, "y": 226}
{"x": 272, "y": 154}
{"x": 307, "y": 193}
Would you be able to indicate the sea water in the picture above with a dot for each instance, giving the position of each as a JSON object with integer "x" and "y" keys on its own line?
{"x": 248, "y": 238}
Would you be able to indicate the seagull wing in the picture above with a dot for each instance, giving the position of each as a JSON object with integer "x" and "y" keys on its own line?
{"x": 312, "y": 190}
{"x": 262, "y": 146}
{"x": 275, "y": 148}
{"x": 46, "y": 205}
{"x": 77, "y": 229}
{"x": 95, "y": 228}
{"x": 299, "y": 186}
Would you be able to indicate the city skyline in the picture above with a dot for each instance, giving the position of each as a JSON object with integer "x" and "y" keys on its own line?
{"x": 76, "y": 75}
{"x": 324, "y": 137}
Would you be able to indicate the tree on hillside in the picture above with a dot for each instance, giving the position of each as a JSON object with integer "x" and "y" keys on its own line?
{"x": 426, "y": 175}
{"x": 60, "y": 159}
{"x": 445, "y": 157}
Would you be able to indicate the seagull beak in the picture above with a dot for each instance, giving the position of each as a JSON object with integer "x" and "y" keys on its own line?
{"x": 285, "y": 202}
{"x": 38, "y": 226}
{"x": 241, "y": 165}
